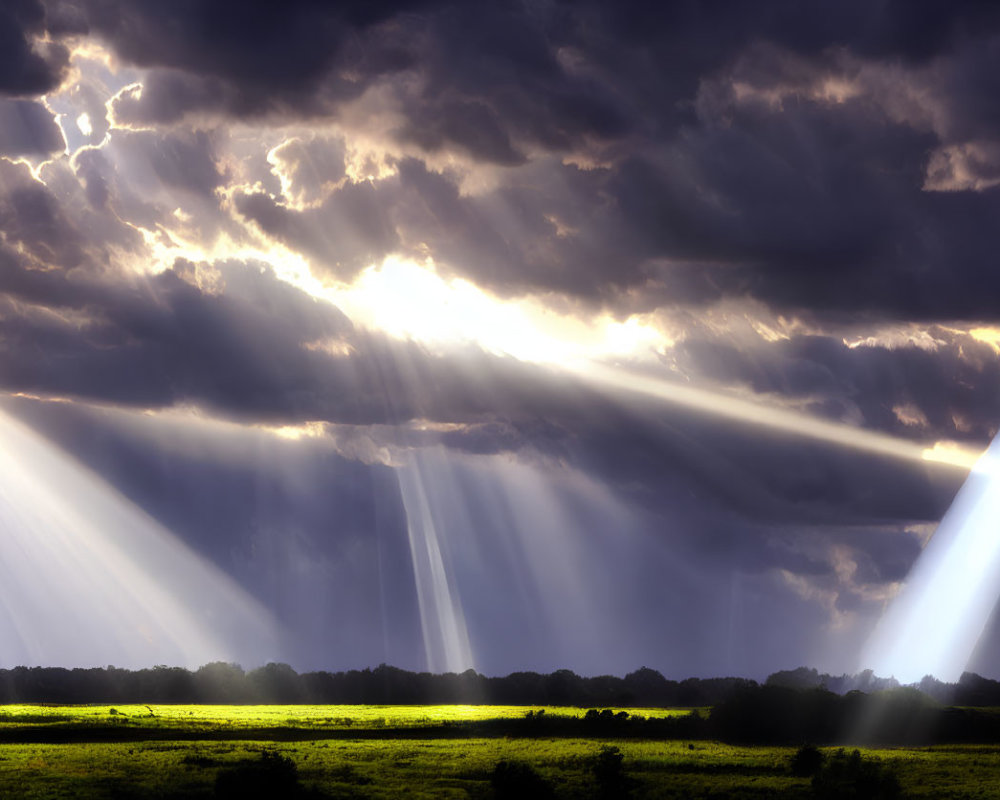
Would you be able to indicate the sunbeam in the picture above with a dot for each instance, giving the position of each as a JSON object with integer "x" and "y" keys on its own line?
{"x": 89, "y": 579}
{"x": 512, "y": 556}
{"x": 446, "y": 639}
{"x": 410, "y": 300}
{"x": 933, "y": 625}
{"x": 788, "y": 421}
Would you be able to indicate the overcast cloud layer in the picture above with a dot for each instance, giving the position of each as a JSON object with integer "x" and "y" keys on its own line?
{"x": 794, "y": 204}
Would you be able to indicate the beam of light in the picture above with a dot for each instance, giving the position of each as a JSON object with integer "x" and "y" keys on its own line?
{"x": 784, "y": 420}
{"x": 446, "y": 638}
{"x": 547, "y": 567}
{"x": 406, "y": 299}
{"x": 934, "y": 623}
{"x": 87, "y": 578}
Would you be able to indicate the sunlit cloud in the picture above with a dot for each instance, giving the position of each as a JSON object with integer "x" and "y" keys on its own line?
{"x": 987, "y": 335}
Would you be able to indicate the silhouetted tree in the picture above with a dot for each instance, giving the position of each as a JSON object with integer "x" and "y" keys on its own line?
{"x": 276, "y": 683}
{"x": 801, "y": 678}
{"x": 219, "y": 682}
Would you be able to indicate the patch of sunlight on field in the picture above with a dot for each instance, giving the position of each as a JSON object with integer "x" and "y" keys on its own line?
{"x": 277, "y": 716}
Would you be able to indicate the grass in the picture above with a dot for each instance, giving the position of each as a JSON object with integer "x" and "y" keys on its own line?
{"x": 392, "y": 767}
{"x": 386, "y": 768}
{"x": 243, "y": 717}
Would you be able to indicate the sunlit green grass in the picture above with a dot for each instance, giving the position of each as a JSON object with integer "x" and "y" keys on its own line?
{"x": 437, "y": 768}
{"x": 319, "y": 717}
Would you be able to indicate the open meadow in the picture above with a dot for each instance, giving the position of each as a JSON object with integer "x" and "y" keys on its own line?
{"x": 222, "y": 718}
{"x": 393, "y": 751}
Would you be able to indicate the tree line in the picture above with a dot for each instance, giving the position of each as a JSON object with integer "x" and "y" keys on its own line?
{"x": 220, "y": 682}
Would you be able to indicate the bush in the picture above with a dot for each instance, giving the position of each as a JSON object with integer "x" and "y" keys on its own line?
{"x": 609, "y": 773}
{"x": 807, "y": 761}
{"x": 850, "y": 776}
{"x": 272, "y": 775}
{"x": 515, "y": 779}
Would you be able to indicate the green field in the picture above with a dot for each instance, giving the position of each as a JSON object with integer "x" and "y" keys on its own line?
{"x": 394, "y": 766}
{"x": 242, "y": 717}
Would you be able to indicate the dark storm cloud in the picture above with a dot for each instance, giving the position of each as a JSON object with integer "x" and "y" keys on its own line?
{"x": 288, "y": 48}
{"x": 800, "y": 200}
{"x": 953, "y": 387}
{"x": 472, "y": 125}
{"x": 163, "y": 341}
{"x": 248, "y": 59}
{"x": 506, "y": 56}
{"x": 32, "y": 217}
{"x": 28, "y": 129}
{"x": 492, "y": 79}
{"x": 27, "y": 65}
{"x": 816, "y": 208}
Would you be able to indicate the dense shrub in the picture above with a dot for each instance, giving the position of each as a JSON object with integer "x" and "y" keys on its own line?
{"x": 515, "y": 779}
{"x": 807, "y": 761}
{"x": 850, "y": 776}
{"x": 271, "y": 776}
{"x": 609, "y": 773}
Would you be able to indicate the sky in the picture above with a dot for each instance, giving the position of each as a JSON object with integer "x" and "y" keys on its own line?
{"x": 514, "y": 336}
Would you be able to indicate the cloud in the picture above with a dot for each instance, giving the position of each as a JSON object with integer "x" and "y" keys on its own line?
{"x": 947, "y": 388}
{"x": 28, "y": 64}
{"x": 309, "y": 169}
{"x": 28, "y": 129}
{"x": 33, "y": 219}
{"x": 347, "y": 232}
{"x": 802, "y": 203}
{"x": 181, "y": 159}
{"x": 721, "y": 153}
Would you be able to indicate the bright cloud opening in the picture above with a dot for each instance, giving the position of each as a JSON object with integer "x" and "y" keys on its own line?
{"x": 83, "y": 123}
{"x": 411, "y": 300}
